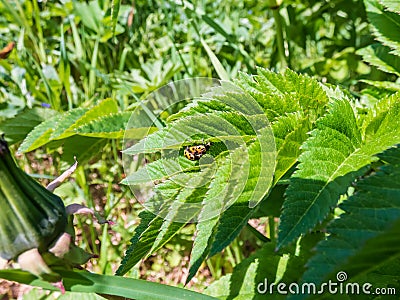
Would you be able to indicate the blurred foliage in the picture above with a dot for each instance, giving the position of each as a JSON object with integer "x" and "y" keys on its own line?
{"x": 66, "y": 54}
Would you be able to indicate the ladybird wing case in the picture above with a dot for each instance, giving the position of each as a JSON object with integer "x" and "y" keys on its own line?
{"x": 196, "y": 152}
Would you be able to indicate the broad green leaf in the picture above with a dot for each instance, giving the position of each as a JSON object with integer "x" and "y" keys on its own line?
{"x": 217, "y": 197}
{"x": 197, "y": 106}
{"x": 110, "y": 126}
{"x": 249, "y": 277}
{"x": 215, "y": 235}
{"x": 66, "y": 121}
{"x": 230, "y": 224}
{"x": 102, "y": 120}
{"x": 161, "y": 169}
{"x": 380, "y": 57}
{"x": 282, "y": 94}
{"x": 245, "y": 119}
{"x": 103, "y": 108}
{"x": 290, "y": 132}
{"x": 381, "y": 123}
{"x": 297, "y": 88}
{"x": 366, "y": 236}
{"x": 80, "y": 147}
{"x": 209, "y": 119}
{"x": 174, "y": 135}
{"x": 148, "y": 230}
{"x": 386, "y": 25}
{"x": 271, "y": 205}
{"x": 380, "y": 256}
{"x": 175, "y": 211}
{"x": 273, "y": 101}
{"x": 236, "y": 216}
{"x": 154, "y": 231}
{"x": 333, "y": 157}
{"x": 392, "y": 5}
{"x": 85, "y": 282}
{"x": 385, "y": 85}
{"x": 145, "y": 235}
{"x": 79, "y": 117}
{"x": 39, "y": 136}
{"x": 17, "y": 128}
{"x": 292, "y": 103}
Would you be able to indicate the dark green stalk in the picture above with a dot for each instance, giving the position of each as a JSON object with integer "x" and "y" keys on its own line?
{"x": 279, "y": 33}
{"x": 258, "y": 234}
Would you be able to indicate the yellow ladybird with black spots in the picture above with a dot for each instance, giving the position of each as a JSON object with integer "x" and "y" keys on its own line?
{"x": 196, "y": 152}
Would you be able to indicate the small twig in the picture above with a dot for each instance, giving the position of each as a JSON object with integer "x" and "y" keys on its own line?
{"x": 76, "y": 208}
{"x": 56, "y": 182}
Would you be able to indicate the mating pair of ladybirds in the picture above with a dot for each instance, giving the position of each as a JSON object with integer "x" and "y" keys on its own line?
{"x": 196, "y": 152}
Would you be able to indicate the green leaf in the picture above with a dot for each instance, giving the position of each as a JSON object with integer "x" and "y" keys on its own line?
{"x": 17, "y": 128}
{"x": 228, "y": 115}
{"x": 102, "y": 120}
{"x": 258, "y": 276}
{"x": 366, "y": 236}
{"x": 39, "y": 136}
{"x": 385, "y": 85}
{"x": 218, "y": 126}
{"x": 292, "y": 103}
{"x": 241, "y": 138}
{"x": 217, "y": 233}
{"x": 392, "y": 5}
{"x": 80, "y": 147}
{"x": 154, "y": 231}
{"x": 66, "y": 121}
{"x": 215, "y": 62}
{"x": 108, "y": 126}
{"x": 90, "y": 14}
{"x": 333, "y": 157}
{"x": 248, "y": 276}
{"x": 386, "y": 25}
{"x": 377, "y": 252}
{"x": 380, "y": 57}
{"x": 236, "y": 216}
{"x": 170, "y": 228}
{"x": 80, "y": 117}
{"x": 82, "y": 281}
{"x": 145, "y": 235}
{"x": 115, "y": 5}
{"x": 281, "y": 94}
{"x": 213, "y": 205}
{"x": 290, "y": 132}
{"x": 161, "y": 169}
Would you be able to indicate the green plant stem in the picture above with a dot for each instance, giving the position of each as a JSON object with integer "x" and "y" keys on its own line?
{"x": 105, "y": 245}
{"x": 237, "y": 250}
{"x": 39, "y": 33}
{"x": 258, "y": 234}
{"x": 92, "y": 73}
{"x": 279, "y": 38}
{"x": 271, "y": 228}
{"x": 231, "y": 258}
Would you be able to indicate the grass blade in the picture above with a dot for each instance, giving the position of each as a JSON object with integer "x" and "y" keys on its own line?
{"x": 81, "y": 281}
